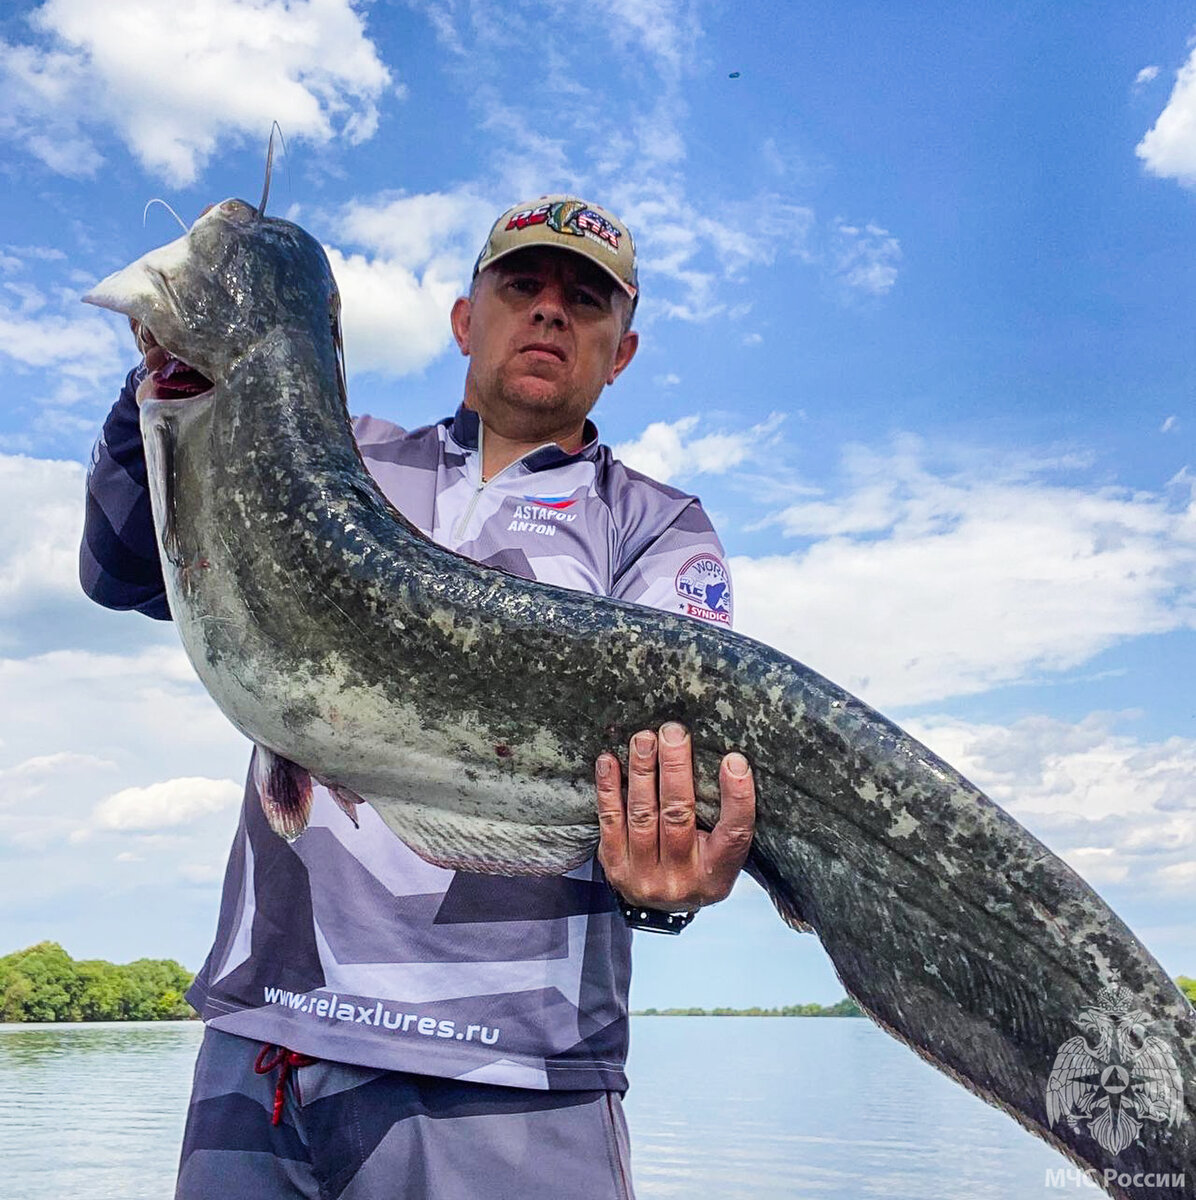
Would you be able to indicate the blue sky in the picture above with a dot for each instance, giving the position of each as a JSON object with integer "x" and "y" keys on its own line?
{"x": 916, "y": 325}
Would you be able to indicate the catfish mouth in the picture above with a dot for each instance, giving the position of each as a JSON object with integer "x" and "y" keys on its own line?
{"x": 177, "y": 380}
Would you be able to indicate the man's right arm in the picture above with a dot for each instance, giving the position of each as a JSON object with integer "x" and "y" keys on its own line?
{"x": 118, "y": 560}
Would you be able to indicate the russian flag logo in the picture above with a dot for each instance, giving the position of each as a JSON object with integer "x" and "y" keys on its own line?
{"x": 557, "y": 502}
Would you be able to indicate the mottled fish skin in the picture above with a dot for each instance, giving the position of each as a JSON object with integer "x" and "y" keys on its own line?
{"x": 469, "y": 705}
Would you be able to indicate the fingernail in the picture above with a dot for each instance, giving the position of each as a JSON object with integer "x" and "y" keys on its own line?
{"x": 644, "y": 742}
{"x": 737, "y": 764}
{"x": 603, "y": 766}
{"x": 672, "y": 734}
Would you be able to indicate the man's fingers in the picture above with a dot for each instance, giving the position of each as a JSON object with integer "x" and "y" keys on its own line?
{"x": 678, "y": 825}
{"x": 144, "y": 339}
{"x": 612, "y": 817}
{"x": 730, "y": 840}
{"x": 643, "y": 808}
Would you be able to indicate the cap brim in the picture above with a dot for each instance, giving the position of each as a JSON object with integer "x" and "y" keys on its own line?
{"x": 554, "y": 244}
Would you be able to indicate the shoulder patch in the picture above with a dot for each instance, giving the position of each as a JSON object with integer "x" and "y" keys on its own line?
{"x": 704, "y": 585}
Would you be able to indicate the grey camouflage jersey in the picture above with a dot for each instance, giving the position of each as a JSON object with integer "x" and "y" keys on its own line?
{"x": 345, "y": 945}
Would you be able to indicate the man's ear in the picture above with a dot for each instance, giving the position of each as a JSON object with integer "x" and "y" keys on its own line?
{"x": 459, "y": 317}
{"x": 628, "y": 344}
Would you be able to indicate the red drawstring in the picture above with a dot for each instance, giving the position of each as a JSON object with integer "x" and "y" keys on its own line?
{"x": 284, "y": 1059}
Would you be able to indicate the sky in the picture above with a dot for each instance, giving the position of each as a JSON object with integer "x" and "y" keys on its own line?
{"x": 917, "y": 294}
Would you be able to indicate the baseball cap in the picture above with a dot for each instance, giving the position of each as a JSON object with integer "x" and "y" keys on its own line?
{"x": 569, "y": 223}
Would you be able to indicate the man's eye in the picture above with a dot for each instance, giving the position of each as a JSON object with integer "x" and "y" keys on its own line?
{"x": 581, "y": 296}
{"x": 524, "y": 285}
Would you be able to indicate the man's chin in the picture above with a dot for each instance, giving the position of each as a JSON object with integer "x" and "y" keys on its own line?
{"x": 537, "y": 394}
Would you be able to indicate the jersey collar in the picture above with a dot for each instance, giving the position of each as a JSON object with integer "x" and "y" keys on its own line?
{"x": 464, "y": 428}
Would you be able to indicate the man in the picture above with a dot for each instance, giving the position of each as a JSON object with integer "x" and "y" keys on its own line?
{"x": 378, "y": 1026}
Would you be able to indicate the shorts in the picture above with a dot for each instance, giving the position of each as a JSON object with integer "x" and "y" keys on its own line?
{"x": 360, "y": 1133}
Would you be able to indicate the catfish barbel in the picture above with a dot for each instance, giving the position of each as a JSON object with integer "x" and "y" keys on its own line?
{"x": 468, "y": 707}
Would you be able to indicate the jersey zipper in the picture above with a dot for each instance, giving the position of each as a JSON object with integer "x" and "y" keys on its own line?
{"x": 463, "y": 521}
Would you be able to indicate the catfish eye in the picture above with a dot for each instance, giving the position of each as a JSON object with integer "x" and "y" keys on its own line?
{"x": 236, "y": 211}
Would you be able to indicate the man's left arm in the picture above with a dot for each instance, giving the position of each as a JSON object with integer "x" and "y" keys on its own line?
{"x": 650, "y": 847}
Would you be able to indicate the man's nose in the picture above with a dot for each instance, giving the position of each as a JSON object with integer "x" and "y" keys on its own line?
{"x": 550, "y": 307}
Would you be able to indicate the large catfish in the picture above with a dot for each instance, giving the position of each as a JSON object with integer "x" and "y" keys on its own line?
{"x": 468, "y": 706}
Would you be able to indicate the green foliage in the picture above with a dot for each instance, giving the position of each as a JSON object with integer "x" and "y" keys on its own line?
{"x": 843, "y": 1008}
{"x": 39, "y": 984}
{"x": 43, "y": 983}
{"x": 1188, "y": 987}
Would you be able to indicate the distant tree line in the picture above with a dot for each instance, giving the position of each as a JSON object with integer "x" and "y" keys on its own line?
{"x": 844, "y": 1008}
{"x": 43, "y": 983}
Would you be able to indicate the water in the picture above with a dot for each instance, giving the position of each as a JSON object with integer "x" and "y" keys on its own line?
{"x": 757, "y": 1108}
{"x": 721, "y": 1108}
{"x": 93, "y": 1111}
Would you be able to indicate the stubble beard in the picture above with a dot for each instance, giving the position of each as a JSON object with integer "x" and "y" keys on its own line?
{"x": 546, "y": 414}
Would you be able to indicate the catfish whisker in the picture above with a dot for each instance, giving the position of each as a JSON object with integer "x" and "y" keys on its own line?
{"x": 157, "y": 200}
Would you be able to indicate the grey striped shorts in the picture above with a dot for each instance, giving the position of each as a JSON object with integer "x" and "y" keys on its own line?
{"x": 358, "y": 1133}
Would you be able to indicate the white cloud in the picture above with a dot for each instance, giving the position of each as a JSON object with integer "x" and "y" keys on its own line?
{"x": 687, "y": 260}
{"x": 663, "y": 30}
{"x": 415, "y": 230}
{"x": 1169, "y": 425}
{"x": 440, "y": 16}
{"x": 165, "y": 805}
{"x": 659, "y": 136}
{"x": 42, "y": 505}
{"x": 76, "y": 725}
{"x": 395, "y": 297}
{"x": 1169, "y": 148}
{"x": 1145, "y": 76}
{"x": 623, "y": 145}
{"x": 1179, "y": 877}
{"x": 44, "y": 253}
{"x": 173, "y": 89}
{"x": 631, "y": 143}
{"x": 209, "y": 872}
{"x": 1118, "y": 809}
{"x": 83, "y": 347}
{"x": 922, "y": 584}
{"x": 34, "y": 776}
{"x": 79, "y": 725}
{"x": 667, "y": 450}
{"x": 866, "y": 258}
{"x": 394, "y": 322}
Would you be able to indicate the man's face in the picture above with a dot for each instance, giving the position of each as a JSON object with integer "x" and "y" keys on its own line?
{"x": 544, "y": 332}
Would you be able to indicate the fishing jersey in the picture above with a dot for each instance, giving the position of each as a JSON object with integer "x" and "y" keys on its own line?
{"x": 345, "y": 944}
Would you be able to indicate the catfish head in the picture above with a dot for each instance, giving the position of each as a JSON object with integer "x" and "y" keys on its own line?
{"x": 232, "y": 280}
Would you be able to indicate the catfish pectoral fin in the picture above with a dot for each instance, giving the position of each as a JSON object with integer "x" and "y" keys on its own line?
{"x": 171, "y": 546}
{"x": 284, "y": 789}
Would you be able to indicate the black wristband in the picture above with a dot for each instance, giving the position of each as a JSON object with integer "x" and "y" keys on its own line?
{"x": 653, "y": 920}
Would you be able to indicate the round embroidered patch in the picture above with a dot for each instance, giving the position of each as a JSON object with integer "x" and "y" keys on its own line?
{"x": 705, "y": 587}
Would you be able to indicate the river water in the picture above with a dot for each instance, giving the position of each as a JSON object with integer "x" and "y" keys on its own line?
{"x": 721, "y": 1108}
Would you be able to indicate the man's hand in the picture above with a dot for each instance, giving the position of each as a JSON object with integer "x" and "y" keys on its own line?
{"x": 650, "y": 847}
{"x": 155, "y": 357}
